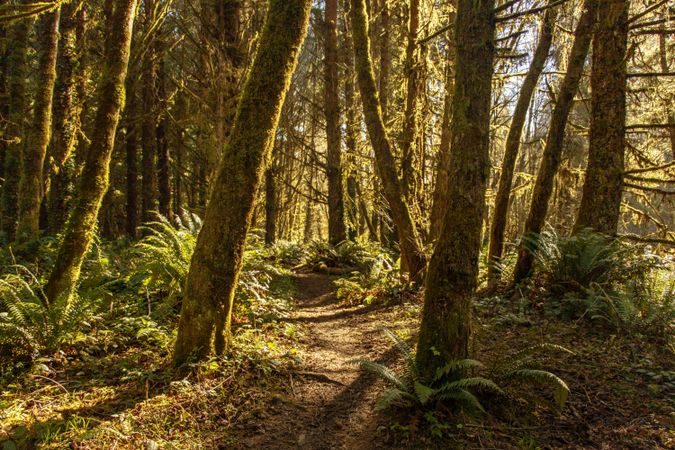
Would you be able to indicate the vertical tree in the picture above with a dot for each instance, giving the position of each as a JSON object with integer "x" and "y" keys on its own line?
{"x": 601, "y": 198}
{"x": 17, "y": 69}
{"x": 216, "y": 262}
{"x": 512, "y": 145}
{"x": 270, "y": 207}
{"x": 93, "y": 182}
{"x": 131, "y": 157}
{"x": 336, "y": 210}
{"x": 543, "y": 185}
{"x": 452, "y": 272}
{"x": 149, "y": 188}
{"x": 411, "y": 252}
{"x": 31, "y": 187}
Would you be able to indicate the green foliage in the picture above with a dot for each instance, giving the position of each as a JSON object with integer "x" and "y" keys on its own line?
{"x": 29, "y": 325}
{"x": 409, "y": 390}
{"x": 356, "y": 256}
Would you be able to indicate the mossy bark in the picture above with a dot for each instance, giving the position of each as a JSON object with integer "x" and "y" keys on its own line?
{"x": 351, "y": 127}
{"x": 17, "y": 56}
{"x": 31, "y": 186}
{"x": 601, "y": 197}
{"x": 336, "y": 206}
{"x": 409, "y": 243}
{"x": 217, "y": 260}
{"x": 512, "y": 145}
{"x": 453, "y": 269}
{"x": 66, "y": 117}
{"x": 543, "y": 185}
{"x": 93, "y": 181}
{"x": 438, "y": 207}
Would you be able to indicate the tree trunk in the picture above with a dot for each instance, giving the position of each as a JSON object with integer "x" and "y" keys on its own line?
{"x": 601, "y": 197}
{"x": 439, "y": 205}
{"x": 453, "y": 269}
{"x": 411, "y": 252}
{"x": 550, "y": 162}
{"x": 66, "y": 119}
{"x": 414, "y": 88}
{"x": 336, "y": 208}
{"x": 163, "y": 169}
{"x": 131, "y": 150}
{"x": 270, "y": 208}
{"x": 31, "y": 187}
{"x": 94, "y": 177}
{"x": 512, "y": 145}
{"x": 217, "y": 260}
{"x": 17, "y": 62}
{"x": 149, "y": 188}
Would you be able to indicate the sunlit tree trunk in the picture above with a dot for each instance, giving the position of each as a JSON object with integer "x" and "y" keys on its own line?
{"x": 543, "y": 185}
{"x": 601, "y": 198}
{"x": 217, "y": 260}
{"x": 93, "y": 182}
{"x": 31, "y": 186}
{"x": 453, "y": 268}
{"x": 512, "y": 145}
{"x": 409, "y": 242}
{"x": 336, "y": 210}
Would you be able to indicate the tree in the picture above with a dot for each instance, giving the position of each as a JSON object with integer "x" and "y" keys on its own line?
{"x": 336, "y": 210}
{"x": 601, "y": 198}
{"x": 217, "y": 260}
{"x": 31, "y": 185}
{"x": 411, "y": 252}
{"x": 512, "y": 145}
{"x": 453, "y": 268}
{"x": 551, "y": 158}
{"x": 93, "y": 181}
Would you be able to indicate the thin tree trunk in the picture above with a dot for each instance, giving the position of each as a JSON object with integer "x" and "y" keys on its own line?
{"x": 411, "y": 251}
{"x": 163, "y": 169}
{"x": 453, "y": 269}
{"x": 94, "y": 177}
{"x": 17, "y": 62}
{"x": 351, "y": 126}
{"x": 131, "y": 150}
{"x": 603, "y": 187}
{"x": 149, "y": 188}
{"x": 270, "y": 208}
{"x": 66, "y": 119}
{"x": 31, "y": 187}
{"x": 550, "y": 162}
{"x": 217, "y": 260}
{"x": 512, "y": 146}
{"x": 336, "y": 209}
{"x": 438, "y": 207}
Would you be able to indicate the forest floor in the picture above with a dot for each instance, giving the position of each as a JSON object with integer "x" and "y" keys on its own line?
{"x": 291, "y": 385}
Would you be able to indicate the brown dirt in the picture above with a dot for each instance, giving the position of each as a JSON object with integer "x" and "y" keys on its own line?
{"x": 330, "y": 403}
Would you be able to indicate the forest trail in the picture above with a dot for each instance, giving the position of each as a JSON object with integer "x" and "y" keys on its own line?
{"x": 330, "y": 405}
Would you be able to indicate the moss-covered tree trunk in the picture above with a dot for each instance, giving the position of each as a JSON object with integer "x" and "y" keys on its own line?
{"x": 410, "y": 157}
{"x": 336, "y": 207}
{"x": 93, "y": 181}
{"x": 409, "y": 243}
{"x": 351, "y": 126}
{"x": 453, "y": 269}
{"x": 66, "y": 117}
{"x": 438, "y": 206}
{"x": 31, "y": 186}
{"x": 543, "y": 185}
{"x": 217, "y": 260}
{"x": 512, "y": 145}
{"x": 17, "y": 56}
{"x": 601, "y": 198}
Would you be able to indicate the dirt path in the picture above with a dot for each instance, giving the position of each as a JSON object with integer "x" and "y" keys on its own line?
{"x": 331, "y": 403}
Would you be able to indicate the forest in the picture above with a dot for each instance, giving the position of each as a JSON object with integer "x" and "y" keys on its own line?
{"x": 337, "y": 224}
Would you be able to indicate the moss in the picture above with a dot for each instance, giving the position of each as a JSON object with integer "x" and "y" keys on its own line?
{"x": 216, "y": 263}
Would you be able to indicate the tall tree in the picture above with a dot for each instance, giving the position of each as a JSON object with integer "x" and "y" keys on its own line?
{"x": 512, "y": 145}
{"x": 93, "y": 181}
{"x": 217, "y": 260}
{"x": 453, "y": 268}
{"x": 336, "y": 208}
{"x": 17, "y": 69}
{"x": 601, "y": 199}
{"x": 149, "y": 188}
{"x": 31, "y": 185}
{"x": 543, "y": 185}
{"x": 411, "y": 252}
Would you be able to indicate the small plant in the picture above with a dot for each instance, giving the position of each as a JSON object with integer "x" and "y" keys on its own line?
{"x": 30, "y": 325}
{"x": 410, "y": 390}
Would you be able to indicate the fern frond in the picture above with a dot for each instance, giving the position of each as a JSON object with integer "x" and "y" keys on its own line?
{"x": 382, "y": 372}
{"x": 462, "y": 397}
{"x": 544, "y": 378}
{"x": 457, "y": 365}
{"x": 406, "y": 352}
{"x": 471, "y": 383}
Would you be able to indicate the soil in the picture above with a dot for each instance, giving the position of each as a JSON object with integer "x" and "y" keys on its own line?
{"x": 330, "y": 403}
